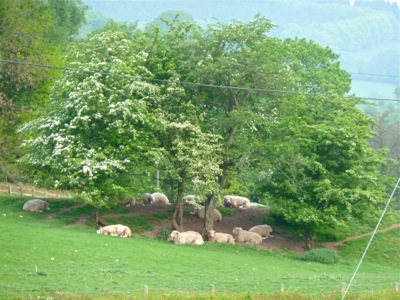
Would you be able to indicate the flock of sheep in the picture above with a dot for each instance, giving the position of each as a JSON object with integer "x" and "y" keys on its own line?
{"x": 253, "y": 236}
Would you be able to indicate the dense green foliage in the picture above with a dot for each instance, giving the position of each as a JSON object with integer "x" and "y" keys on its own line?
{"x": 31, "y": 31}
{"x": 321, "y": 255}
{"x": 50, "y": 258}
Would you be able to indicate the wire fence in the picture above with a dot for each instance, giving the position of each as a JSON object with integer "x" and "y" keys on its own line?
{"x": 18, "y": 189}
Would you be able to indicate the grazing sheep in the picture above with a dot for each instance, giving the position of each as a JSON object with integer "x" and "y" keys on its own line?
{"x": 115, "y": 230}
{"x": 200, "y": 211}
{"x": 263, "y": 230}
{"x": 243, "y": 236}
{"x": 187, "y": 237}
{"x": 220, "y": 237}
{"x": 236, "y": 201}
{"x": 190, "y": 199}
{"x": 36, "y": 205}
{"x": 156, "y": 198}
{"x": 131, "y": 202}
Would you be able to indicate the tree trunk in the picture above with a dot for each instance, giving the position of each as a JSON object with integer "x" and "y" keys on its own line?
{"x": 308, "y": 241}
{"x": 177, "y": 217}
{"x": 95, "y": 215}
{"x": 209, "y": 215}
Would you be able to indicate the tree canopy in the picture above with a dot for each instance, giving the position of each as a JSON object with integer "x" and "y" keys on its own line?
{"x": 31, "y": 31}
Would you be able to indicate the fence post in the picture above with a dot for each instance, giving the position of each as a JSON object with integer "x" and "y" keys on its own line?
{"x": 21, "y": 190}
{"x": 33, "y": 192}
{"x": 45, "y": 193}
{"x": 212, "y": 289}
{"x": 343, "y": 289}
{"x": 396, "y": 286}
{"x": 282, "y": 287}
{"x": 58, "y": 195}
{"x": 9, "y": 190}
{"x": 145, "y": 291}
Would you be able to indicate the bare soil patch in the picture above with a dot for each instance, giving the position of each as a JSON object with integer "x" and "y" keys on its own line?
{"x": 245, "y": 218}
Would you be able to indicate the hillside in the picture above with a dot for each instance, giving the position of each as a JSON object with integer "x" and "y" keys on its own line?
{"x": 57, "y": 255}
{"x": 150, "y": 219}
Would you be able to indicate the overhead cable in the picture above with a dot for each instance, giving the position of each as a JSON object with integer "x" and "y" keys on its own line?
{"x": 259, "y": 90}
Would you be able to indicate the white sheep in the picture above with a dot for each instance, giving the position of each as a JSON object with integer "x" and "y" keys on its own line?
{"x": 263, "y": 230}
{"x": 200, "y": 211}
{"x": 131, "y": 202}
{"x": 156, "y": 198}
{"x": 243, "y": 236}
{"x": 187, "y": 237}
{"x": 36, "y": 205}
{"x": 116, "y": 230}
{"x": 218, "y": 237}
{"x": 236, "y": 201}
{"x": 191, "y": 199}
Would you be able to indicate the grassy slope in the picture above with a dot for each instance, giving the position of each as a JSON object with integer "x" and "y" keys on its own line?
{"x": 40, "y": 256}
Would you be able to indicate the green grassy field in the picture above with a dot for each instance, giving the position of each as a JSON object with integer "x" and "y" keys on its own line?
{"x": 45, "y": 258}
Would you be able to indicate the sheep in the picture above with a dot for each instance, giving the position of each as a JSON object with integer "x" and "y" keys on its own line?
{"x": 131, "y": 202}
{"x": 187, "y": 237}
{"x": 36, "y": 205}
{"x": 156, "y": 198}
{"x": 220, "y": 237}
{"x": 263, "y": 230}
{"x": 243, "y": 236}
{"x": 115, "y": 230}
{"x": 200, "y": 212}
{"x": 236, "y": 201}
{"x": 190, "y": 199}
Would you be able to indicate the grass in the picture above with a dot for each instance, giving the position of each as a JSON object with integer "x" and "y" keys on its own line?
{"x": 43, "y": 256}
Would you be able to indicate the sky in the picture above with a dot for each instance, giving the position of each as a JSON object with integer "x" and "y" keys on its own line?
{"x": 352, "y": 2}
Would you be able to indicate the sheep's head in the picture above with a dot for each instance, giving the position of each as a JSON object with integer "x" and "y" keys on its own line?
{"x": 174, "y": 235}
{"x": 148, "y": 198}
{"x": 211, "y": 234}
{"x": 236, "y": 230}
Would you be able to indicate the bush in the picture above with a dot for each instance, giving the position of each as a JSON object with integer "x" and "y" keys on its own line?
{"x": 164, "y": 233}
{"x": 321, "y": 255}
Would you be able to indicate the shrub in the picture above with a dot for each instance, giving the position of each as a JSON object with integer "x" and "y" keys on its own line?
{"x": 164, "y": 233}
{"x": 321, "y": 255}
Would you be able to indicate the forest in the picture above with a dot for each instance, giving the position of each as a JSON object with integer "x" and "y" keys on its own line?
{"x": 224, "y": 107}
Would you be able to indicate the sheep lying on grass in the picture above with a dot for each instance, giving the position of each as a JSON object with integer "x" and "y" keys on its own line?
{"x": 236, "y": 201}
{"x": 187, "y": 237}
{"x": 200, "y": 212}
{"x": 217, "y": 237}
{"x": 243, "y": 236}
{"x": 156, "y": 198}
{"x": 115, "y": 230}
{"x": 263, "y": 230}
{"x": 36, "y": 205}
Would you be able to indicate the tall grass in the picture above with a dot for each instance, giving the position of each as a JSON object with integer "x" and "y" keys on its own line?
{"x": 44, "y": 256}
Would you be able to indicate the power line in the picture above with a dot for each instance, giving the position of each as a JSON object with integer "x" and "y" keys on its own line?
{"x": 371, "y": 74}
{"x": 370, "y": 241}
{"x": 259, "y": 90}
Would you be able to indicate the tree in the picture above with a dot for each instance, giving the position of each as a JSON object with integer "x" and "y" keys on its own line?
{"x": 321, "y": 169}
{"x": 99, "y": 124}
{"x": 190, "y": 155}
{"x": 236, "y": 59}
{"x": 387, "y": 137}
{"x": 32, "y": 31}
